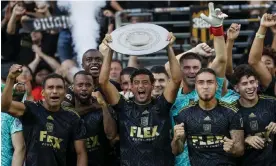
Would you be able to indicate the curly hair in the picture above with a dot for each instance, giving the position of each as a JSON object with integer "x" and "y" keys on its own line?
{"x": 268, "y": 51}
{"x": 240, "y": 71}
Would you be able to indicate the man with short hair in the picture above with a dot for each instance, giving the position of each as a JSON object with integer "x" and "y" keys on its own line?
{"x": 116, "y": 68}
{"x": 144, "y": 121}
{"x": 161, "y": 78}
{"x": 100, "y": 126}
{"x": 259, "y": 117}
{"x": 125, "y": 81}
{"x": 50, "y": 128}
{"x": 212, "y": 128}
{"x": 191, "y": 63}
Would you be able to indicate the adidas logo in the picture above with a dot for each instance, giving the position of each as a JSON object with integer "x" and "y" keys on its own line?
{"x": 145, "y": 112}
{"x": 207, "y": 118}
{"x": 252, "y": 115}
{"x": 50, "y": 118}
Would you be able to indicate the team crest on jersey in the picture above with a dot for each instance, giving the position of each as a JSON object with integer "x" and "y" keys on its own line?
{"x": 49, "y": 127}
{"x": 144, "y": 121}
{"x": 69, "y": 97}
{"x": 254, "y": 125}
{"x": 207, "y": 128}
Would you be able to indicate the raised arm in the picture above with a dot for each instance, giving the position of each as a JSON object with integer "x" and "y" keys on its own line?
{"x": 215, "y": 19}
{"x": 179, "y": 138}
{"x": 49, "y": 60}
{"x": 17, "y": 12}
{"x": 133, "y": 62}
{"x": 273, "y": 30}
{"x": 7, "y": 105}
{"x": 173, "y": 85}
{"x": 232, "y": 35}
{"x": 255, "y": 55}
{"x": 110, "y": 127}
{"x": 110, "y": 92}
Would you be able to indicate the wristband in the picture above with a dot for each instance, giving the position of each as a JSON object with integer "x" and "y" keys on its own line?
{"x": 217, "y": 31}
{"x": 260, "y": 36}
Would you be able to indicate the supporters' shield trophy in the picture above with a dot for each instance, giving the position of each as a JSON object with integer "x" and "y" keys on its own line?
{"x": 139, "y": 39}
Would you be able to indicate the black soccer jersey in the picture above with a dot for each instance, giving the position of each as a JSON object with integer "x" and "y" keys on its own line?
{"x": 205, "y": 131}
{"x": 255, "y": 120}
{"x": 271, "y": 89}
{"x": 48, "y": 134}
{"x": 145, "y": 132}
{"x": 97, "y": 145}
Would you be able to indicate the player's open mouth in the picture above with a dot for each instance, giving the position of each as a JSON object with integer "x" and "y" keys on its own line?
{"x": 250, "y": 92}
{"x": 94, "y": 69}
{"x": 142, "y": 93}
{"x": 84, "y": 95}
{"x": 54, "y": 98}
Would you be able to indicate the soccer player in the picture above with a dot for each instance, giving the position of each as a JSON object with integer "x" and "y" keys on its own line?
{"x": 91, "y": 62}
{"x": 100, "y": 126}
{"x": 48, "y": 128}
{"x": 144, "y": 121}
{"x": 255, "y": 60}
{"x": 212, "y": 128}
{"x": 116, "y": 68}
{"x": 12, "y": 141}
{"x": 259, "y": 117}
{"x": 161, "y": 79}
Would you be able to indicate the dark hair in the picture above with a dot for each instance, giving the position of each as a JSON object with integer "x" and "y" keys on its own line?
{"x": 82, "y": 72}
{"x": 128, "y": 71}
{"x": 240, "y": 71}
{"x": 91, "y": 50}
{"x": 190, "y": 55}
{"x": 117, "y": 61}
{"x": 206, "y": 70}
{"x": 142, "y": 71}
{"x": 159, "y": 69}
{"x": 51, "y": 76}
{"x": 268, "y": 51}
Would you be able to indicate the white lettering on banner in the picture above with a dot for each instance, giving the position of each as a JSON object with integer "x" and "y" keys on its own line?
{"x": 51, "y": 23}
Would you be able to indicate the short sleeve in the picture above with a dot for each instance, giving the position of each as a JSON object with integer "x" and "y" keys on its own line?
{"x": 163, "y": 104}
{"x": 236, "y": 122}
{"x": 16, "y": 126}
{"x": 120, "y": 105}
{"x": 79, "y": 130}
{"x": 220, "y": 86}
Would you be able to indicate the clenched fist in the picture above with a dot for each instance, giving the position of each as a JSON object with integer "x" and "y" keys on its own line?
{"x": 228, "y": 145}
{"x": 179, "y": 132}
{"x": 15, "y": 71}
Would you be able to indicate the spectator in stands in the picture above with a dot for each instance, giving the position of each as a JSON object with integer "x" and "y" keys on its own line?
{"x": 267, "y": 80}
{"x": 116, "y": 68}
{"x": 161, "y": 79}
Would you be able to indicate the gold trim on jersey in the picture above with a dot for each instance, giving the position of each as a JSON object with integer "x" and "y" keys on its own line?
{"x": 69, "y": 109}
{"x": 229, "y": 106}
{"x": 191, "y": 104}
{"x": 267, "y": 97}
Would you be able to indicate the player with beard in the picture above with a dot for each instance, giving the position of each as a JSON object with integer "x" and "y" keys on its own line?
{"x": 161, "y": 79}
{"x": 100, "y": 126}
{"x": 49, "y": 128}
{"x": 191, "y": 63}
{"x": 91, "y": 62}
{"x": 259, "y": 117}
{"x": 212, "y": 128}
{"x": 144, "y": 121}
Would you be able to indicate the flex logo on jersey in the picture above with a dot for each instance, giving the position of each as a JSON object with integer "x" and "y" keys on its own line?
{"x": 92, "y": 143}
{"x": 207, "y": 141}
{"x": 144, "y": 133}
{"x": 48, "y": 140}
